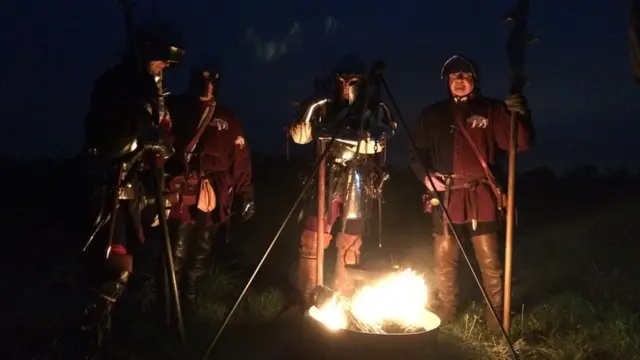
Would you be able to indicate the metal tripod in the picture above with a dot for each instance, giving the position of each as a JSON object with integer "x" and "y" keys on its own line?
{"x": 319, "y": 166}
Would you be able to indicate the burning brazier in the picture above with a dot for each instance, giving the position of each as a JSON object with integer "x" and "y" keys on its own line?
{"x": 384, "y": 319}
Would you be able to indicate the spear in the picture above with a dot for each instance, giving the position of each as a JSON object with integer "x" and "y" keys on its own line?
{"x": 519, "y": 38}
{"x": 170, "y": 275}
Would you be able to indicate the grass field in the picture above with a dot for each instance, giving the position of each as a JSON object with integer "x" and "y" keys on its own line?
{"x": 575, "y": 288}
{"x": 575, "y": 293}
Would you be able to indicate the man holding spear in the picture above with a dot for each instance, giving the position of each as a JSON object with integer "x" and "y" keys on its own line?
{"x": 458, "y": 139}
{"x": 129, "y": 137}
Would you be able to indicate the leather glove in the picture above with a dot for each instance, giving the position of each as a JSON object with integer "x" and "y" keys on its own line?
{"x": 248, "y": 209}
{"x": 516, "y": 103}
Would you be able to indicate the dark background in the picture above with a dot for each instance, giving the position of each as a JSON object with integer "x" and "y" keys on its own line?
{"x": 581, "y": 90}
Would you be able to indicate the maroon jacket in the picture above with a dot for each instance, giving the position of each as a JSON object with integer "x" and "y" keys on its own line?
{"x": 634, "y": 40}
{"x": 225, "y": 159}
{"x": 443, "y": 149}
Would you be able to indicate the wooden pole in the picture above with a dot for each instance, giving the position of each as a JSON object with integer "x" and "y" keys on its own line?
{"x": 508, "y": 253}
{"x": 517, "y": 41}
{"x": 321, "y": 220}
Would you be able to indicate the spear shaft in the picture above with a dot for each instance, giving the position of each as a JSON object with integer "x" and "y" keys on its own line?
{"x": 518, "y": 39}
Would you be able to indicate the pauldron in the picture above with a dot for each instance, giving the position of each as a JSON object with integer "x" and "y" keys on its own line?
{"x": 349, "y": 139}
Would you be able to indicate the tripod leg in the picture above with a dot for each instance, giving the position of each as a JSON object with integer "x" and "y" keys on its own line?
{"x": 379, "y": 201}
{"x": 96, "y": 231}
{"x": 167, "y": 292}
{"x": 160, "y": 203}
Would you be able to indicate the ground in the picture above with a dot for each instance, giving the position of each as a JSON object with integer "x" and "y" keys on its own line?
{"x": 575, "y": 294}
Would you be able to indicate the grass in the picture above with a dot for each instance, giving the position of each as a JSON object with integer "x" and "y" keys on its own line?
{"x": 575, "y": 293}
{"x": 574, "y": 290}
{"x": 565, "y": 327}
{"x": 219, "y": 292}
{"x": 578, "y": 290}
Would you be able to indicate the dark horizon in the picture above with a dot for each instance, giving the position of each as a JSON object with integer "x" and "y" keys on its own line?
{"x": 581, "y": 93}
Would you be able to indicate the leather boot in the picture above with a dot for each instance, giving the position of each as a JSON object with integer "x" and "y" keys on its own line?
{"x": 96, "y": 327}
{"x": 348, "y": 253}
{"x": 201, "y": 252}
{"x": 182, "y": 237}
{"x": 307, "y": 264}
{"x": 446, "y": 258}
{"x": 488, "y": 256}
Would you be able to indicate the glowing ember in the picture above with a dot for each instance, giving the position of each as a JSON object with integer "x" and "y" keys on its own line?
{"x": 397, "y": 301}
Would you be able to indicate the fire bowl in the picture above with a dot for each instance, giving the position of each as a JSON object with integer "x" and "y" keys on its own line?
{"x": 369, "y": 274}
{"x": 350, "y": 344}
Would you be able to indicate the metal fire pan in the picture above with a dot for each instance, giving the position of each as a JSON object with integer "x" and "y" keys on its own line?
{"x": 351, "y": 345}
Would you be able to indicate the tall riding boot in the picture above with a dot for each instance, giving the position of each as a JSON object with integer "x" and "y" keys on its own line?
{"x": 201, "y": 252}
{"x": 446, "y": 258}
{"x": 307, "y": 264}
{"x": 348, "y": 253}
{"x": 488, "y": 255}
{"x": 182, "y": 237}
{"x": 96, "y": 327}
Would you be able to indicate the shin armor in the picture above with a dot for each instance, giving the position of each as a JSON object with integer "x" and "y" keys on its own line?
{"x": 96, "y": 328}
{"x": 348, "y": 253}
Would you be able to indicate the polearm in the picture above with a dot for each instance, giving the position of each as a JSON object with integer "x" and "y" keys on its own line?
{"x": 321, "y": 213}
{"x": 130, "y": 29}
{"x": 158, "y": 171}
{"x": 518, "y": 39}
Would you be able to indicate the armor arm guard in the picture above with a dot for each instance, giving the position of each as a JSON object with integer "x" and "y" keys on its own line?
{"x": 386, "y": 118}
{"x": 301, "y": 131}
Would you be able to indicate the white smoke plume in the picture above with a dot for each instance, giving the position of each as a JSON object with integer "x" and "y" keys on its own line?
{"x": 274, "y": 49}
{"x": 330, "y": 26}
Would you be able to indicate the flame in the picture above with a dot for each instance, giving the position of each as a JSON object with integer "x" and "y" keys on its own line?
{"x": 400, "y": 298}
{"x": 331, "y": 314}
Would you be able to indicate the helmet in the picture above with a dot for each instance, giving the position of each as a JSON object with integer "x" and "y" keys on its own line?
{"x": 458, "y": 63}
{"x": 202, "y": 74}
{"x": 349, "y": 65}
{"x": 348, "y": 74}
{"x": 161, "y": 42}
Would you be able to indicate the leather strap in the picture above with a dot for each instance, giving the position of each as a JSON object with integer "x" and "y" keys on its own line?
{"x": 485, "y": 167}
{"x": 207, "y": 115}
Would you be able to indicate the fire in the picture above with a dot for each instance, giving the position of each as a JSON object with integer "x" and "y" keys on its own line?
{"x": 332, "y": 314}
{"x": 398, "y": 299}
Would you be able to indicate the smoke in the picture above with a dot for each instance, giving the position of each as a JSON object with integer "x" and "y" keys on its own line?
{"x": 275, "y": 48}
{"x": 330, "y": 26}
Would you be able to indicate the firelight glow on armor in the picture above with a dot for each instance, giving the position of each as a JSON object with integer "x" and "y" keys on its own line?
{"x": 303, "y": 132}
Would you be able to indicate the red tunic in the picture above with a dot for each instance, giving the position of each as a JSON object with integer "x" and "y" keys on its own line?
{"x": 443, "y": 148}
{"x": 226, "y": 160}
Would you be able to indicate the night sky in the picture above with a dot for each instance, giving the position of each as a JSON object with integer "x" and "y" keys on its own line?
{"x": 585, "y": 105}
